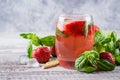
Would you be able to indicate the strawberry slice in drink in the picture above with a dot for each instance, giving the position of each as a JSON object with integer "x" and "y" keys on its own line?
{"x": 74, "y": 28}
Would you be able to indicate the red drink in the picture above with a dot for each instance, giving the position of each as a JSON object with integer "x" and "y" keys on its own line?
{"x": 74, "y": 35}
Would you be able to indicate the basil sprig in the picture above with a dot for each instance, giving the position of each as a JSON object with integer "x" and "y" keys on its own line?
{"x": 37, "y": 41}
{"x": 87, "y": 61}
{"x": 108, "y": 43}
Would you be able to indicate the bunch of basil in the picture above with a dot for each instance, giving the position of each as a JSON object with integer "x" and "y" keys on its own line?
{"x": 89, "y": 61}
{"x": 108, "y": 43}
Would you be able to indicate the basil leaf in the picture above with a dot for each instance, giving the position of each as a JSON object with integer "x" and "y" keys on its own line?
{"x": 33, "y": 37}
{"x": 117, "y": 60}
{"x": 58, "y": 32}
{"x": 110, "y": 47}
{"x": 28, "y": 35}
{"x": 99, "y": 37}
{"x": 29, "y": 50}
{"x": 107, "y": 40}
{"x": 105, "y": 65}
{"x": 89, "y": 69}
{"x": 116, "y": 52}
{"x": 48, "y": 40}
{"x": 114, "y": 36}
{"x": 87, "y": 60}
{"x": 117, "y": 56}
{"x": 118, "y": 44}
{"x": 79, "y": 63}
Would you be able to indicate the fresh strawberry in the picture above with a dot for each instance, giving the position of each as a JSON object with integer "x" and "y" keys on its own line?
{"x": 52, "y": 51}
{"x": 74, "y": 28}
{"x": 93, "y": 29}
{"x": 96, "y": 28}
{"x": 42, "y": 54}
{"x": 108, "y": 56}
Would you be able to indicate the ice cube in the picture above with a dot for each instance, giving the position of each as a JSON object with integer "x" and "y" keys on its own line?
{"x": 33, "y": 63}
{"x": 23, "y": 59}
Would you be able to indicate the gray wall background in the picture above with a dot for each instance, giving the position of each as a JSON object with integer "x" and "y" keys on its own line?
{"x": 41, "y": 15}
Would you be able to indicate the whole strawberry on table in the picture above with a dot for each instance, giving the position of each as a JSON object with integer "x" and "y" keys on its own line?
{"x": 44, "y": 47}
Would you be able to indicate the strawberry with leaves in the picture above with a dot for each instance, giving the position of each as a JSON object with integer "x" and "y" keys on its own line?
{"x": 42, "y": 52}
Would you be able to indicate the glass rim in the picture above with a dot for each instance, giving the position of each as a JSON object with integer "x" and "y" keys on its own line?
{"x": 74, "y": 16}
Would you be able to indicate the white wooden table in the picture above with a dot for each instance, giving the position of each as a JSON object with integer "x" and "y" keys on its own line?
{"x": 12, "y": 46}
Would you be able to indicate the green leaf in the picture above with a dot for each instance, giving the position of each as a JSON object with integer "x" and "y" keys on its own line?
{"x": 114, "y": 36}
{"x": 107, "y": 40}
{"x": 103, "y": 42}
{"x": 32, "y": 37}
{"x": 99, "y": 37}
{"x": 24, "y": 35}
{"x": 48, "y": 40}
{"x": 79, "y": 62}
{"x": 105, "y": 65}
{"x": 99, "y": 47}
{"x": 86, "y": 61}
{"x": 89, "y": 69}
{"x": 118, "y": 44}
{"x": 28, "y": 35}
{"x": 117, "y": 60}
{"x": 36, "y": 42}
{"x": 29, "y": 50}
{"x": 116, "y": 52}
{"x": 117, "y": 56}
{"x": 58, "y": 32}
{"x": 110, "y": 47}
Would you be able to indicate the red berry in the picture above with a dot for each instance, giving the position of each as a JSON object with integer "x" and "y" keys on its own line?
{"x": 42, "y": 54}
{"x": 74, "y": 28}
{"x": 96, "y": 28}
{"x": 108, "y": 56}
{"x": 52, "y": 51}
{"x": 93, "y": 29}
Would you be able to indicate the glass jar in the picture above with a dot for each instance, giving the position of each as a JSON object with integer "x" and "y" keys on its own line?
{"x": 74, "y": 35}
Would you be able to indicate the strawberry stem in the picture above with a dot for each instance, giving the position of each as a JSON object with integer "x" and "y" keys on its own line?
{"x": 29, "y": 50}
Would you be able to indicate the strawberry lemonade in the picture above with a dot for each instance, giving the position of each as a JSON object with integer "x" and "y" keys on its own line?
{"x": 74, "y": 35}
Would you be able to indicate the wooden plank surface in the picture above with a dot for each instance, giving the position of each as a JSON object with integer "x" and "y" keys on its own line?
{"x": 13, "y": 71}
{"x": 12, "y": 47}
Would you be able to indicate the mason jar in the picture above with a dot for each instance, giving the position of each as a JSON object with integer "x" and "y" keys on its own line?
{"x": 74, "y": 35}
